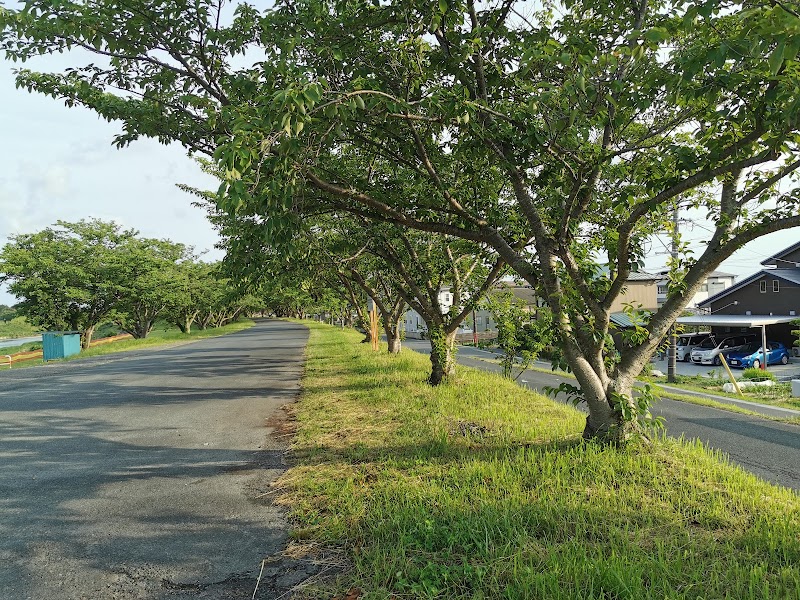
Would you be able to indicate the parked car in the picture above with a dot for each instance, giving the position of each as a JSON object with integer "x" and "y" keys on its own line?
{"x": 707, "y": 353}
{"x": 752, "y": 355}
{"x": 688, "y": 342}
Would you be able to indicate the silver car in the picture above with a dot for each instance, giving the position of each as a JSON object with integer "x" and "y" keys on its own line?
{"x": 688, "y": 342}
{"x": 707, "y": 353}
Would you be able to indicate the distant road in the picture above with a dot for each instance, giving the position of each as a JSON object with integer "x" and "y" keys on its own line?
{"x": 147, "y": 475}
{"x": 12, "y": 342}
{"x": 769, "y": 449}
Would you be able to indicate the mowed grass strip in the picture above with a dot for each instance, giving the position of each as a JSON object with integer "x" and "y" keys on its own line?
{"x": 481, "y": 489}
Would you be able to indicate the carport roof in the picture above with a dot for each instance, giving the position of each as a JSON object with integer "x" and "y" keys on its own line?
{"x": 735, "y": 320}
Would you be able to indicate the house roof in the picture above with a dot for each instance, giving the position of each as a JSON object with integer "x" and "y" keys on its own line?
{"x": 781, "y": 254}
{"x": 790, "y": 275}
{"x": 623, "y": 320}
{"x": 632, "y": 276}
{"x": 642, "y": 276}
{"x": 664, "y": 272}
{"x": 734, "y": 320}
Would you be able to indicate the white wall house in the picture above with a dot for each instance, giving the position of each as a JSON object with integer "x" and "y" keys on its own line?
{"x": 415, "y": 325}
{"x": 714, "y": 284}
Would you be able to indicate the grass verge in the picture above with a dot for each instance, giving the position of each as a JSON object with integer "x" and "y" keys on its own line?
{"x": 710, "y": 390}
{"x": 158, "y": 337}
{"x": 481, "y": 489}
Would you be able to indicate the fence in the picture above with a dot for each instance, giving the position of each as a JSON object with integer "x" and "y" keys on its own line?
{"x": 10, "y": 359}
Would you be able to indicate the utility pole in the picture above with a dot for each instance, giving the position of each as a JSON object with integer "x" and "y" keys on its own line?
{"x": 672, "y": 366}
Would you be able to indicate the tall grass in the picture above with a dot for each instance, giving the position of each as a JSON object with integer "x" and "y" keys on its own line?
{"x": 481, "y": 489}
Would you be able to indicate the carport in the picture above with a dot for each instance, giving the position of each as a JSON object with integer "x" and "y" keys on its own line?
{"x": 748, "y": 321}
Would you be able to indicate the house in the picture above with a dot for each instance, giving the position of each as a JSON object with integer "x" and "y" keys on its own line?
{"x": 525, "y": 294}
{"x": 639, "y": 292}
{"x": 414, "y": 324}
{"x": 715, "y": 283}
{"x": 772, "y": 291}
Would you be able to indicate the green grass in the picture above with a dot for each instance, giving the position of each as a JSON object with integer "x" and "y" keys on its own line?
{"x": 778, "y": 395}
{"x": 481, "y": 489}
{"x": 18, "y": 327}
{"x": 158, "y": 337}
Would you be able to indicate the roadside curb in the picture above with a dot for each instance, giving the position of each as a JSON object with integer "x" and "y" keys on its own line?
{"x": 764, "y": 409}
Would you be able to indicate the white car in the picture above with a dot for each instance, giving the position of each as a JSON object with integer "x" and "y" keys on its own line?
{"x": 688, "y": 342}
{"x": 707, "y": 353}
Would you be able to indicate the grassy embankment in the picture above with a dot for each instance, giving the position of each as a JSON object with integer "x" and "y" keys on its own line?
{"x": 778, "y": 395}
{"x": 480, "y": 489}
{"x": 158, "y": 337}
{"x": 18, "y": 327}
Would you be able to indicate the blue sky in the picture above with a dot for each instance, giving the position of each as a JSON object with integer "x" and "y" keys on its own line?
{"x": 58, "y": 163}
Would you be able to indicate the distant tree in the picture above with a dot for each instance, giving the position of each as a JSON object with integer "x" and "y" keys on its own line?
{"x": 69, "y": 276}
{"x": 149, "y": 283}
{"x": 7, "y": 312}
{"x": 190, "y": 279}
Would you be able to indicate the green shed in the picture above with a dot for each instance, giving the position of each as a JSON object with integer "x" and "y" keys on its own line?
{"x": 59, "y": 344}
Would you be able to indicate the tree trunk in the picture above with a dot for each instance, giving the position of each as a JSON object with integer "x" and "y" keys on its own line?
{"x": 606, "y": 422}
{"x": 442, "y": 355}
{"x": 394, "y": 343}
{"x": 391, "y": 326}
{"x": 86, "y": 337}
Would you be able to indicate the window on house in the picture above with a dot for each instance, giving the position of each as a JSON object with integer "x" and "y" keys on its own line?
{"x": 763, "y": 287}
{"x": 776, "y": 286}
{"x": 480, "y": 320}
{"x": 704, "y": 287}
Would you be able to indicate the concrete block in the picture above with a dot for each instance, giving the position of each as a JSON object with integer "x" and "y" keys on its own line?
{"x": 795, "y": 388}
{"x": 746, "y": 383}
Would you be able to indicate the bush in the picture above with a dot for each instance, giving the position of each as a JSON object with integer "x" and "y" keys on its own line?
{"x": 757, "y": 375}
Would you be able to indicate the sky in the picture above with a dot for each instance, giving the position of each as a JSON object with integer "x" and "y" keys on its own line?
{"x": 57, "y": 163}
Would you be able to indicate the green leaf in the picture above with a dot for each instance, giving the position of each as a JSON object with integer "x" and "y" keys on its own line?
{"x": 776, "y": 58}
{"x": 656, "y": 35}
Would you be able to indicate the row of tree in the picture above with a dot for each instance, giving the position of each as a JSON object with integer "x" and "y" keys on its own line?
{"x": 75, "y": 276}
{"x": 547, "y": 137}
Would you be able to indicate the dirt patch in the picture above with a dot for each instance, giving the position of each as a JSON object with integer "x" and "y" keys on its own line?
{"x": 283, "y": 422}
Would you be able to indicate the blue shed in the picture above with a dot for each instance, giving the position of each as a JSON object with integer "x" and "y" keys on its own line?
{"x": 59, "y": 344}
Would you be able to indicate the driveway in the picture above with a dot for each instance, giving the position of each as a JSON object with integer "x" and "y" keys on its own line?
{"x": 148, "y": 475}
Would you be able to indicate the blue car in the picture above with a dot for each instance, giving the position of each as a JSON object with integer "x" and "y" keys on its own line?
{"x": 752, "y": 355}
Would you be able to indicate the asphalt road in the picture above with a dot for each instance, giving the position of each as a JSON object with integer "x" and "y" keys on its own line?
{"x": 147, "y": 475}
{"x": 769, "y": 449}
